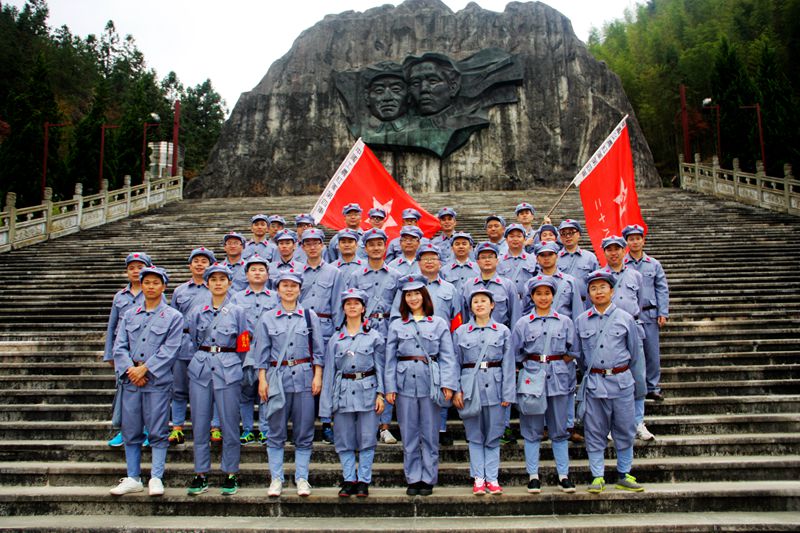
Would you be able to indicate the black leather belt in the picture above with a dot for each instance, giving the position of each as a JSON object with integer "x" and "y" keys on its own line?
{"x": 422, "y": 358}
{"x": 359, "y": 375}
{"x": 216, "y": 349}
{"x": 483, "y": 364}
{"x": 291, "y": 363}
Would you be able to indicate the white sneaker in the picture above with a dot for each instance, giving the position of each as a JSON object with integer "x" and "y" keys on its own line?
{"x": 387, "y": 437}
{"x": 156, "y": 487}
{"x": 642, "y": 432}
{"x": 303, "y": 488}
{"x": 127, "y": 485}
{"x": 275, "y": 488}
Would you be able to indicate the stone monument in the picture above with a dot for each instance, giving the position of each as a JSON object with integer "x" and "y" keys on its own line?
{"x": 467, "y": 100}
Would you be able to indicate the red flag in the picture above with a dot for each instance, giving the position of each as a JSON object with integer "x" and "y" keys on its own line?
{"x": 457, "y": 321}
{"x": 608, "y": 189}
{"x": 362, "y": 179}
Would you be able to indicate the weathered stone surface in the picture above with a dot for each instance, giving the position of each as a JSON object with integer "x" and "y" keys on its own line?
{"x": 289, "y": 134}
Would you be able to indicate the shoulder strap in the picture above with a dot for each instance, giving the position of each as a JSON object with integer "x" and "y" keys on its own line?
{"x": 310, "y": 332}
{"x": 548, "y": 327}
{"x": 285, "y": 348}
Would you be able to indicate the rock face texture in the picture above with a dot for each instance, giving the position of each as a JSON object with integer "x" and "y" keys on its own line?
{"x": 289, "y": 134}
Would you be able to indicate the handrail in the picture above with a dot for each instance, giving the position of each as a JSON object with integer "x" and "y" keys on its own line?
{"x": 758, "y": 189}
{"x": 50, "y": 220}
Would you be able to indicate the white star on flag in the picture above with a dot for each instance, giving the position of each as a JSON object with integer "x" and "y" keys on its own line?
{"x": 387, "y": 208}
{"x": 621, "y": 199}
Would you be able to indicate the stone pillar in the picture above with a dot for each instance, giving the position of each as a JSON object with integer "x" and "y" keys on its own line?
{"x": 697, "y": 171}
{"x": 11, "y": 209}
{"x": 126, "y": 184}
{"x": 147, "y": 186}
{"x": 48, "y": 210}
{"x": 104, "y": 199}
{"x": 681, "y": 173}
{"x": 78, "y": 197}
{"x": 788, "y": 185}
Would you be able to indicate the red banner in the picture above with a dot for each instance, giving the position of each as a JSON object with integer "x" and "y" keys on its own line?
{"x": 362, "y": 179}
{"x": 608, "y": 189}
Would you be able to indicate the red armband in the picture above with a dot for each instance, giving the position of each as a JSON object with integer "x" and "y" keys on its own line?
{"x": 243, "y": 342}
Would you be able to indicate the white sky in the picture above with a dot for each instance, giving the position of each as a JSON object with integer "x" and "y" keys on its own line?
{"x": 234, "y": 42}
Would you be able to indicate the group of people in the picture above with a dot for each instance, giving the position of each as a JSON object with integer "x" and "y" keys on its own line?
{"x": 364, "y": 329}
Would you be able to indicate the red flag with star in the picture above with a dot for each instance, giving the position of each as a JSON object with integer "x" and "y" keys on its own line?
{"x": 361, "y": 178}
{"x": 608, "y": 189}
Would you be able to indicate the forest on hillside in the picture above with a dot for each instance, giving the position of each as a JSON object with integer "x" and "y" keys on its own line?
{"x": 50, "y": 75}
{"x": 731, "y": 53}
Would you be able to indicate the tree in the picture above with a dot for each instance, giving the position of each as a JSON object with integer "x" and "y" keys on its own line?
{"x": 202, "y": 114}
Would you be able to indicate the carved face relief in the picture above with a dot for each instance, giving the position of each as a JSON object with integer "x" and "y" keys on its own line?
{"x": 387, "y": 97}
{"x": 430, "y": 89}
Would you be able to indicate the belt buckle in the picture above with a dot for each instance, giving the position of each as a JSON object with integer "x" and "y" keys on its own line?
{"x": 359, "y": 375}
{"x": 608, "y": 371}
{"x": 542, "y": 358}
{"x": 484, "y": 365}
{"x": 290, "y": 363}
{"x": 214, "y": 349}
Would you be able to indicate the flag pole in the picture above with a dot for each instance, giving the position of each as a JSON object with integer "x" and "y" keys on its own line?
{"x": 589, "y": 166}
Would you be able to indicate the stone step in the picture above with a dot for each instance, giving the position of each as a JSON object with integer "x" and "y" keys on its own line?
{"x": 751, "y": 438}
{"x": 512, "y": 473}
{"x": 713, "y": 347}
{"x": 779, "y": 358}
{"x": 631, "y": 523}
{"x": 743, "y": 496}
{"x": 723, "y": 423}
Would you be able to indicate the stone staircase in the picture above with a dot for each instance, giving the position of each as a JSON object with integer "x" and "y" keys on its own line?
{"x": 727, "y": 453}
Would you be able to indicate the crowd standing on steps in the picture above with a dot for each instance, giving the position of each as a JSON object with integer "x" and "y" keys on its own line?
{"x": 518, "y": 323}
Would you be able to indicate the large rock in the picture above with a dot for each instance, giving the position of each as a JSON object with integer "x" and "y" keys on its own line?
{"x": 289, "y": 134}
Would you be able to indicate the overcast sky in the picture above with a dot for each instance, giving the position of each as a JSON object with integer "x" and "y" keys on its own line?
{"x": 234, "y": 42}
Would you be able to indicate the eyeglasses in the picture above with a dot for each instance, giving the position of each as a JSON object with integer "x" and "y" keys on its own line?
{"x": 567, "y": 232}
{"x": 428, "y": 259}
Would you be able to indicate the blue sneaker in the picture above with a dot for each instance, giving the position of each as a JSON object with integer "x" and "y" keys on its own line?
{"x": 116, "y": 441}
{"x": 327, "y": 435}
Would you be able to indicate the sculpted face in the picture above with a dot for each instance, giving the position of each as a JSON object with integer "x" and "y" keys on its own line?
{"x": 387, "y": 97}
{"x": 430, "y": 88}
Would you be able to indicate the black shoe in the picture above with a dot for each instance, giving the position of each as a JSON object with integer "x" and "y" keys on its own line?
{"x": 362, "y": 489}
{"x": 566, "y": 485}
{"x": 230, "y": 486}
{"x": 425, "y": 489}
{"x": 445, "y": 439}
{"x": 657, "y": 396}
{"x": 413, "y": 489}
{"x": 347, "y": 489}
{"x": 534, "y": 486}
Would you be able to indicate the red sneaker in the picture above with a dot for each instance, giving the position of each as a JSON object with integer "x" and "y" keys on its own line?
{"x": 493, "y": 487}
{"x": 479, "y": 488}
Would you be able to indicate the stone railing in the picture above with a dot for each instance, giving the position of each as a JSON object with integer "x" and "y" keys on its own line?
{"x": 777, "y": 194}
{"x": 50, "y": 220}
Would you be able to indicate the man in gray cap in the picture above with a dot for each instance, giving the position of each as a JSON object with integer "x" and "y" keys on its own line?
{"x": 574, "y": 260}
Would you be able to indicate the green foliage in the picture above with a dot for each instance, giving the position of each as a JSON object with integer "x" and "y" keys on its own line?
{"x": 51, "y": 75}
{"x": 737, "y": 52}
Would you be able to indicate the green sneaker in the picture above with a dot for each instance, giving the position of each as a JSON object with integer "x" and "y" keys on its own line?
{"x": 176, "y": 437}
{"x": 508, "y": 437}
{"x": 230, "y": 486}
{"x": 628, "y": 482}
{"x": 262, "y": 437}
{"x": 199, "y": 485}
{"x": 216, "y": 435}
{"x": 598, "y": 485}
{"x": 247, "y": 437}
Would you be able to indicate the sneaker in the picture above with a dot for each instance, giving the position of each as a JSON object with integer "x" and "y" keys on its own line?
{"x": 508, "y": 437}
{"x": 247, "y": 437}
{"x": 657, "y": 396}
{"x": 262, "y": 437}
{"x": 642, "y": 432}
{"x": 216, "y": 435}
{"x": 199, "y": 485}
{"x": 156, "y": 487}
{"x": 534, "y": 486}
{"x": 347, "y": 489}
{"x": 116, "y": 441}
{"x": 575, "y": 437}
{"x": 176, "y": 437}
{"x": 478, "y": 487}
{"x": 387, "y": 437}
{"x": 425, "y": 489}
{"x": 230, "y": 486}
{"x": 493, "y": 487}
{"x": 566, "y": 485}
{"x": 445, "y": 438}
{"x": 126, "y": 486}
{"x": 146, "y": 443}
{"x": 303, "y": 488}
{"x": 362, "y": 489}
{"x": 628, "y": 482}
{"x": 413, "y": 489}
{"x": 609, "y": 437}
{"x": 327, "y": 435}
{"x": 598, "y": 485}
{"x": 275, "y": 488}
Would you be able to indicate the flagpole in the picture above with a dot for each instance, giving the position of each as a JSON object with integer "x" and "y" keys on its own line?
{"x": 589, "y": 165}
